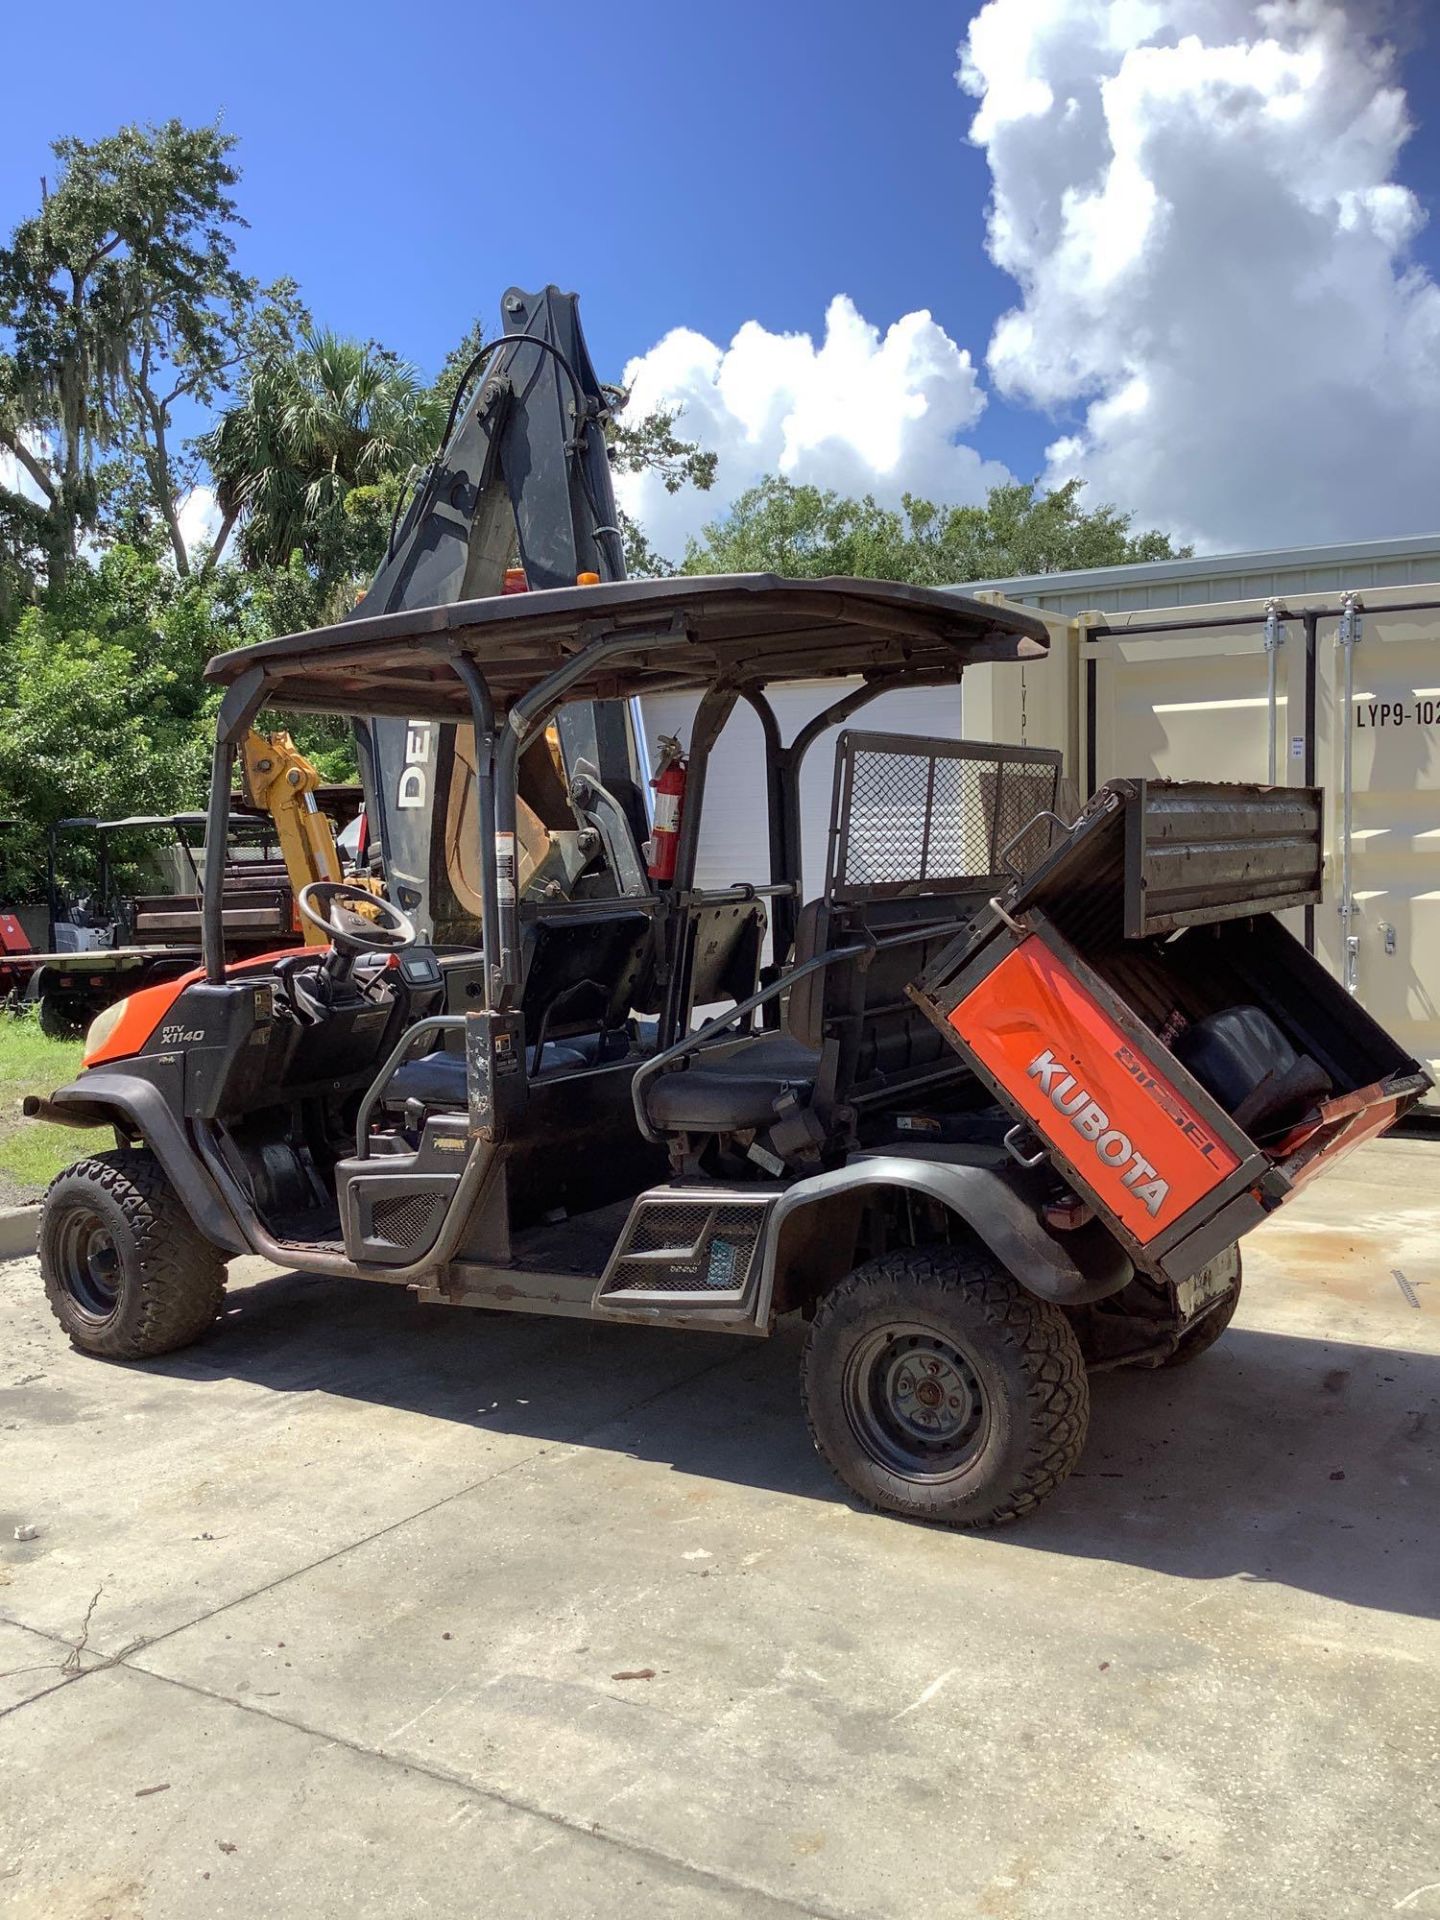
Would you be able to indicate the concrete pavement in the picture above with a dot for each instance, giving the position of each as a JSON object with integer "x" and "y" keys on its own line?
{"x": 404, "y": 1610}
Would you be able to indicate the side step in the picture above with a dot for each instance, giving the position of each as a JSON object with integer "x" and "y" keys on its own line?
{"x": 688, "y": 1246}
{"x": 686, "y": 1257}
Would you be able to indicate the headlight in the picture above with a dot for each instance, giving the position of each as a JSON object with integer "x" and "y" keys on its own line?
{"x": 101, "y": 1028}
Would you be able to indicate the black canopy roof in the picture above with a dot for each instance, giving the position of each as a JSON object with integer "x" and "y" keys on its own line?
{"x": 646, "y": 636}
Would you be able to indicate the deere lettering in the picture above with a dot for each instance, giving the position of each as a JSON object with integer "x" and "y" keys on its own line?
{"x": 413, "y": 780}
{"x": 1092, "y": 1123}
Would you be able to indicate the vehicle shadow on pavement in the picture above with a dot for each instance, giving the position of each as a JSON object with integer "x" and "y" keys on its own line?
{"x": 1275, "y": 1458}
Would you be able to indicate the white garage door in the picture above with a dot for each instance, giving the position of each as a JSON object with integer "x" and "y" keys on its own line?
{"x": 734, "y": 834}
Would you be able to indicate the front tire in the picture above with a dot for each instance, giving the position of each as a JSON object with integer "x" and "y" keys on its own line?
{"x": 127, "y": 1273}
{"x": 936, "y": 1387}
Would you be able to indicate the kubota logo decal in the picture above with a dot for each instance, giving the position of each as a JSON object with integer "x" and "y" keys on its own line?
{"x": 1092, "y": 1123}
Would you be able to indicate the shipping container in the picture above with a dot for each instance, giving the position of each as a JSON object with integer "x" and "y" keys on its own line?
{"x": 1253, "y": 691}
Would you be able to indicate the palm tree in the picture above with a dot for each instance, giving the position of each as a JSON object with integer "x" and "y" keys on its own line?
{"x": 313, "y": 423}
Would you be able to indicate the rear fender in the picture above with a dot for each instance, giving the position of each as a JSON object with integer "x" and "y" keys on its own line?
{"x": 1070, "y": 1269}
{"x": 135, "y": 1106}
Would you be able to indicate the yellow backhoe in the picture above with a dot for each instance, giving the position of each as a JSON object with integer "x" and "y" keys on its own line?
{"x": 142, "y": 939}
{"x": 279, "y": 779}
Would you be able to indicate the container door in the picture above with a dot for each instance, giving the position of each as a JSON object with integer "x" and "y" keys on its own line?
{"x": 1394, "y": 839}
{"x": 1190, "y": 706}
{"x": 1197, "y": 706}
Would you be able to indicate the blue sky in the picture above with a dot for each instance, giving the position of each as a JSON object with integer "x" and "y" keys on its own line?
{"x": 677, "y": 165}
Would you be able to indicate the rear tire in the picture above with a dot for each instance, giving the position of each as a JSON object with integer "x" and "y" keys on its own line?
{"x": 936, "y": 1387}
{"x": 59, "y": 1018}
{"x": 127, "y": 1273}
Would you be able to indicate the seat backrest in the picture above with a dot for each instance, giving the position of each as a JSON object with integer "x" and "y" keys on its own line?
{"x": 584, "y": 970}
{"x": 805, "y": 1002}
{"x": 719, "y": 944}
{"x": 883, "y": 1043}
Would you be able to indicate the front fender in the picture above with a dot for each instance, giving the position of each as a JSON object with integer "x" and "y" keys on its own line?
{"x": 997, "y": 1201}
{"x": 104, "y": 1098}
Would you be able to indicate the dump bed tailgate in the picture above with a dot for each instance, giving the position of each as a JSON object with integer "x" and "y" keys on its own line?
{"x": 1181, "y": 853}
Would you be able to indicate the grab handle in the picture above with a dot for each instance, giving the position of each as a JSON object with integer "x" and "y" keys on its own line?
{"x": 1011, "y": 1144}
{"x": 1045, "y": 813}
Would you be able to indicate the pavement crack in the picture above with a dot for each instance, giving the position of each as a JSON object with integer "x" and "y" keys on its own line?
{"x": 516, "y": 1803}
{"x": 73, "y": 1658}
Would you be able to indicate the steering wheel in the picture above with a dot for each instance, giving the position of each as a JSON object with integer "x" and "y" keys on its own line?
{"x": 326, "y": 904}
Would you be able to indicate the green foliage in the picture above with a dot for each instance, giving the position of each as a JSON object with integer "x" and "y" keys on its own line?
{"x": 458, "y": 363}
{"x": 32, "y": 1152}
{"x": 313, "y": 424}
{"x": 118, "y": 299}
{"x": 650, "y": 444}
{"x": 102, "y": 706}
{"x": 276, "y": 600}
{"x": 778, "y": 527}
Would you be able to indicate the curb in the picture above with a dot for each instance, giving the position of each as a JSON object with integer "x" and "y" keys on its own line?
{"x": 18, "y": 1227}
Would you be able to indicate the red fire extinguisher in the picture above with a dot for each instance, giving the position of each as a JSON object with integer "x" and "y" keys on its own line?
{"x": 669, "y": 785}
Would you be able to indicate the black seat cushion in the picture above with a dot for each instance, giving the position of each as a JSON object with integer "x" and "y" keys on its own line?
{"x": 438, "y": 1079}
{"x": 1241, "y": 1057}
{"x": 738, "y": 1088}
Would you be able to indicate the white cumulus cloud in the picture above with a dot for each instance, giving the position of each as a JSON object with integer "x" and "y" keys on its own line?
{"x": 199, "y": 518}
{"x": 862, "y": 412}
{"x": 1199, "y": 200}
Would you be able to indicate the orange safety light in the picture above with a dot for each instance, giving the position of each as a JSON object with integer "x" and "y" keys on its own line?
{"x": 587, "y": 579}
{"x": 515, "y": 581}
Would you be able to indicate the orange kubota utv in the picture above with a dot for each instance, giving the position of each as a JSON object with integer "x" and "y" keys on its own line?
{"x": 991, "y": 1109}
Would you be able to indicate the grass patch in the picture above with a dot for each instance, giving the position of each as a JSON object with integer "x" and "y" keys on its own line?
{"x": 32, "y": 1153}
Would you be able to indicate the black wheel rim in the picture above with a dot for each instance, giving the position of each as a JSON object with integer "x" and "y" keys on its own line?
{"x": 915, "y": 1403}
{"x": 89, "y": 1263}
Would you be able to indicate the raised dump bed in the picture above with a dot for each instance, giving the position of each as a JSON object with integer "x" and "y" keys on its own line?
{"x": 1156, "y": 1031}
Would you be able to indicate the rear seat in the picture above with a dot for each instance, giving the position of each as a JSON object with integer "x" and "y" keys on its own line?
{"x": 881, "y": 1041}
{"x": 737, "y": 1083}
{"x": 727, "y": 1088}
